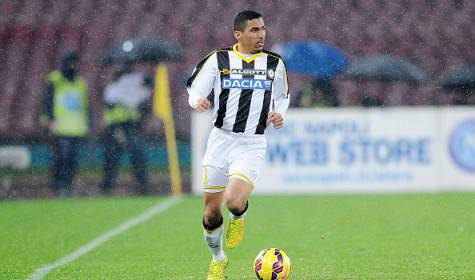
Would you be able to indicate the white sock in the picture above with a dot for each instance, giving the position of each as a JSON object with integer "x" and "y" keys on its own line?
{"x": 215, "y": 243}
{"x": 234, "y": 217}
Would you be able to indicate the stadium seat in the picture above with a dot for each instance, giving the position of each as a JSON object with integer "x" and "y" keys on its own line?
{"x": 15, "y": 64}
{"x": 415, "y": 30}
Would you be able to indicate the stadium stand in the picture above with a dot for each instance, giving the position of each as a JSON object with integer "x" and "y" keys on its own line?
{"x": 434, "y": 34}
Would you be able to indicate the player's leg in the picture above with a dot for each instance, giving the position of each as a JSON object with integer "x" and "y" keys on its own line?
{"x": 236, "y": 198}
{"x": 246, "y": 162}
{"x": 213, "y": 223}
{"x": 213, "y": 187}
{"x": 215, "y": 171}
{"x": 236, "y": 195}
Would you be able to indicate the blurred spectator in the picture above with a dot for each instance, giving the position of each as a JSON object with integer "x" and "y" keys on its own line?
{"x": 319, "y": 93}
{"x": 127, "y": 99}
{"x": 66, "y": 114}
{"x": 371, "y": 101}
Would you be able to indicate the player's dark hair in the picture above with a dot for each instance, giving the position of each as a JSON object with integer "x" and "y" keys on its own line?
{"x": 242, "y": 17}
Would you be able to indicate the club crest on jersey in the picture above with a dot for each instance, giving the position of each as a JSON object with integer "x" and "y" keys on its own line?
{"x": 247, "y": 84}
{"x": 270, "y": 74}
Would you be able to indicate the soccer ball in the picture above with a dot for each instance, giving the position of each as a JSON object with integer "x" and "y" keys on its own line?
{"x": 272, "y": 264}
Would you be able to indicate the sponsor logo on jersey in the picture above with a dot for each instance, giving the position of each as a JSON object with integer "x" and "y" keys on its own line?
{"x": 224, "y": 71}
{"x": 247, "y": 84}
{"x": 248, "y": 72}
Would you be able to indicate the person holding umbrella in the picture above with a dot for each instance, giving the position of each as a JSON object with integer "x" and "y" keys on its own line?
{"x": 318, "y": 93}
{"x": 127, "y": 100}
{"x": 318, "y": 61}
{"x": 66, "y": 117}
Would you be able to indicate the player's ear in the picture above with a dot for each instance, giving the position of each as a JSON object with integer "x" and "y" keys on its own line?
{"x": 237, "y": 34}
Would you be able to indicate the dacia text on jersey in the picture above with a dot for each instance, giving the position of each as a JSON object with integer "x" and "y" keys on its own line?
{"x": 247, "y": 84}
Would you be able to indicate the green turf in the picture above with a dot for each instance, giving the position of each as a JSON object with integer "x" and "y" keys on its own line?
{"x": 427, "y": 236}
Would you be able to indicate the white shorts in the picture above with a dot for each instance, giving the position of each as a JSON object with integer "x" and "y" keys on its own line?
{"x": 229, "y": 154}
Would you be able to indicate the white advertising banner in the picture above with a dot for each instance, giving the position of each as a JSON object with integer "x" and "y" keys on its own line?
{"x": 458, "y": 148}
{"x": 410, "y": 149}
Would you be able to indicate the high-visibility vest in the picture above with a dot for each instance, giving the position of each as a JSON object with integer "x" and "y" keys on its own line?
{"x": 120, "y": 113}
{"x": 70, "y": 105}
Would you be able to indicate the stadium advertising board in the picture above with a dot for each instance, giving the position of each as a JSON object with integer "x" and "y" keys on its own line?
{"x": 360, "y": 150}
{"x": 458, "y": 144}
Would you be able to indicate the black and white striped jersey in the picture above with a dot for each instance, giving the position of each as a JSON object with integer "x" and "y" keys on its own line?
{"x": 245, "y": 87}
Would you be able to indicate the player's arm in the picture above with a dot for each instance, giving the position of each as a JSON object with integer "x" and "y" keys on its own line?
{"x": 201, "y": 82}
{"x": 281, "y": 96}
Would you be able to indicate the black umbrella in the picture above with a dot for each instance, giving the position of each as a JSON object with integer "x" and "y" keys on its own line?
{"x": 461, "y": 78}
{"x": 142, "y": 49}
{"x": 384, "y": 68}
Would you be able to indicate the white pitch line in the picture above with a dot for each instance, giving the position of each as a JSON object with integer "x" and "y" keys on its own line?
{"x": 149, "y": 213}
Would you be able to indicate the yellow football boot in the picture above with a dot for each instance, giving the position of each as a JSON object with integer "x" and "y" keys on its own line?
{"x": 217, "y": 268}
{"x": 235, "y": 232}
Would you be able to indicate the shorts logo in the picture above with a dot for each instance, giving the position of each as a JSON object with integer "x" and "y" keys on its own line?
{"x": 247, "y": 84}
{"x": 205, "y": 175}
{"x": 253, "y": 175}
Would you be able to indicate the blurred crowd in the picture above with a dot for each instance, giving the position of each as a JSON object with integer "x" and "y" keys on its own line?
{"x": 429, "y": 42}
{"x": 436, "y": 35}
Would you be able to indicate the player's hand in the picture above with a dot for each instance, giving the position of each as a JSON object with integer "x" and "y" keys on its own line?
{"x": 202, "y": 104}
{"x": 276, "y": 119}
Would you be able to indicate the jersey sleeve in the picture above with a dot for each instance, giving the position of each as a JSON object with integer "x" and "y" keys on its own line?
{"x": 281, "y": 89}
{"x": 203, "y": 78}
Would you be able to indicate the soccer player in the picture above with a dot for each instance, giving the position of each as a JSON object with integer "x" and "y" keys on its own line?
{"x": 251, "y": 91}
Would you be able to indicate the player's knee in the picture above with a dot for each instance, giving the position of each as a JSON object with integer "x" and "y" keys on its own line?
{"x": 235, "y": 204}
{"x": 212, "y": 223}
{"x": 212, "y": 215}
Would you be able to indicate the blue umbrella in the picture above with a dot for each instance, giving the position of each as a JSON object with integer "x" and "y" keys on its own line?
{"x": 312, "y": 58}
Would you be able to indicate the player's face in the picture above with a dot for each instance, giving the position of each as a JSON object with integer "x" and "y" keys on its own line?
{"x": 253, "y": 37}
